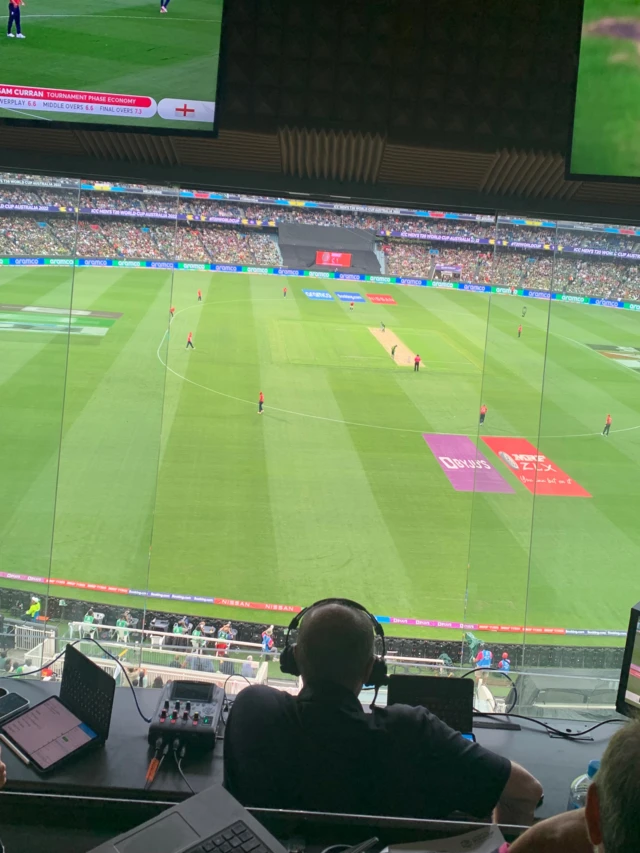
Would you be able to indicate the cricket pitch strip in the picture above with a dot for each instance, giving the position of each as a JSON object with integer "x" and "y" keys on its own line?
{"x": 388, "y": 339}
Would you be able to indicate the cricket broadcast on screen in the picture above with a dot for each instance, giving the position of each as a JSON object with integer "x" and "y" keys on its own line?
{"x": 605, "y": 131}
{"x": 137, "y": 63}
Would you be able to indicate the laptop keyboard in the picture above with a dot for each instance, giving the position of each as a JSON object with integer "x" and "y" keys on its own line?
{"x": 92, "y": 706}
{"x": 237, "y": 838}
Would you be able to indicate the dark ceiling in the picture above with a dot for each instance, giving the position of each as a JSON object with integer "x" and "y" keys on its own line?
{"x": 429, "y": 102}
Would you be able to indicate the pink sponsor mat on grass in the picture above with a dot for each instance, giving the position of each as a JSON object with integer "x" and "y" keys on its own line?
{"x": 466, "y": 468}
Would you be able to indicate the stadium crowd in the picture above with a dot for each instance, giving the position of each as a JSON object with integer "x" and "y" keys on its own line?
{"x": 128, "y": 201}
{"x": 37, "y": 196}
{"x": 26, "y": 236}
{"x": 228, "y": 246}
{"x": 30, "y": 193}
{"x": 15, "y": 179}
{"x": 511, "y": 268}
{"x": 338, "y": 218}
{"x": 204, "y": 243}
{"x": 576, "y": 239}
{"x": 115, "y": 239}
{"x": 55, "y": 235}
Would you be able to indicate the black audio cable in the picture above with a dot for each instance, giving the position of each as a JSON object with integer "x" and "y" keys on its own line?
{"x": 179, "y": 752}
{"x": 225, "y": 698}
{"x": 568, "y": 734}
{"x": 506, "y": 675}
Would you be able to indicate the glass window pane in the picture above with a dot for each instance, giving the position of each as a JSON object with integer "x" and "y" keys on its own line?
{"x": 37, "y": 236}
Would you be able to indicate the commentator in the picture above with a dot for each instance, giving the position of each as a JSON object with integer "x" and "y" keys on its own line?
{"x": 320, "y": 751}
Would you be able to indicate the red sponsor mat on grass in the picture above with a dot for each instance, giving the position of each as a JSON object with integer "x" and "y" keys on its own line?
{"x": 535, "y": 471}
{"x": 381, "y": 298}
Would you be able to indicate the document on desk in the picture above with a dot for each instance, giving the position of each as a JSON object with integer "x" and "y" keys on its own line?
{"x": 488, "y": 839}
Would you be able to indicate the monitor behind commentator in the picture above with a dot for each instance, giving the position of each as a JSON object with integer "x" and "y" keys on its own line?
{"x": 628, "y": 701}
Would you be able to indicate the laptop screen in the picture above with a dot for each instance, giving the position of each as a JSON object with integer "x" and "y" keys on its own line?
{"x": 450, "y": 699}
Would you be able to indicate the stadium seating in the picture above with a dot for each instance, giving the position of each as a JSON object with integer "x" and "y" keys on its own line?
{"x": 149, "y": 232}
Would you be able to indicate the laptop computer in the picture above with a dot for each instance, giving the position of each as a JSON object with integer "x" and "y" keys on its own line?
{"x": 209, "y": 822}
{"x": 450, "y": 699}
{"x": 63, "y": 727}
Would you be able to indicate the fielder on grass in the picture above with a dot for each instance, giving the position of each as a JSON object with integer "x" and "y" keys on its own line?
{"x": 163, "y": 5}
{"x": 14, "y": 18}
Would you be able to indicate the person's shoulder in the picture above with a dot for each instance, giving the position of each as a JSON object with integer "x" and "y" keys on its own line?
{"x": 403, "y": 718}
{"x": 417, "y": 725}
{"x": 259, "y": 696}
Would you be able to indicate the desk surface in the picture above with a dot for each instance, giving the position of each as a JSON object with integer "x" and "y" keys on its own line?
{"x": 118, "y": 770}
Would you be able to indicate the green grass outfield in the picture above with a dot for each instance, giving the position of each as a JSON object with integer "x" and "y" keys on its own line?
{"x": 605, "y": 137}
{"x": 116, "y": 46}
{"x": 332, "y": 491}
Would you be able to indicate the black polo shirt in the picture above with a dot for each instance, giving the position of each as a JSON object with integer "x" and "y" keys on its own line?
{"x": 320, "y": 751}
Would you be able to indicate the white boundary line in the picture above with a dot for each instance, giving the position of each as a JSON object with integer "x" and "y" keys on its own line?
{"x": 131, "y": 18}
{"x": 474, "y": 434}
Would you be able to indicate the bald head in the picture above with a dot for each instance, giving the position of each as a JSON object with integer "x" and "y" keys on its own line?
{"x": 335, "y": 643}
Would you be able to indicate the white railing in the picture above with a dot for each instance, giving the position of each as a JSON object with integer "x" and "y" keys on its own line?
{"x": 232, "y": 684}
{"x": 29, "y": 636}
{"x": 158, "y": 638}
{"x": 44, "y": 651}
{"x": 183, "y": 663}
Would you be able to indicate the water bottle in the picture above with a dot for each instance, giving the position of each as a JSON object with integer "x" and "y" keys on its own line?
{"x": 580, "y": 786}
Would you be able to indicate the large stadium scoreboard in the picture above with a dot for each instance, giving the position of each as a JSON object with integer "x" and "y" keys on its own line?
{"x": 142, "y": 66}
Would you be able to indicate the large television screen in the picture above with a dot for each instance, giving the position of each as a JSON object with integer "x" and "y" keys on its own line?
{"x": 333, "y": 259}
{"x": 138, "y": 64}
{"x": 605, "y": 139}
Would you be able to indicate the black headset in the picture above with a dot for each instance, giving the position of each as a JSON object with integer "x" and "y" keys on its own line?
{"x": 288, "y": 662}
